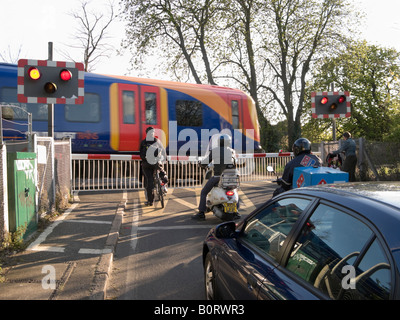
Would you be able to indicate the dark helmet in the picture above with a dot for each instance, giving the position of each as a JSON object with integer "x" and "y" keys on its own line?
{"x": 225, "y": 140}
{"x": 148, "y": 129}
{"x": 301, "y": 145}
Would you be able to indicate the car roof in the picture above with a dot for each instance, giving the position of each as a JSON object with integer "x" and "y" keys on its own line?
{"x": 387, "y": 192}
{"x": 379, "y": 202}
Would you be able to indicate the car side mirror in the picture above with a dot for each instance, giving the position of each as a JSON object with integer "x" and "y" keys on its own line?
{"x": 226, "y": 230}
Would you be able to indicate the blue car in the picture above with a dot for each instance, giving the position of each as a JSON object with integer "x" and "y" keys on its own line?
{"x": 327, "y": 242}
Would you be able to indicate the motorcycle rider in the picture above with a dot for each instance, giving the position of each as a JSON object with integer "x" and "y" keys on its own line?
{"x": 223, "y": 156}
{"x": 303, "y": 158}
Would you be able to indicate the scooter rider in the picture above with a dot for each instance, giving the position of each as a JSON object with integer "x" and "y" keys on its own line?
{"x": 303, "y": 158}
{"x": 223, "y": 157}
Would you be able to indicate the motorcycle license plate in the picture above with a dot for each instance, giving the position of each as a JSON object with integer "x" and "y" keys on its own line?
{"x": 230, "y": 207}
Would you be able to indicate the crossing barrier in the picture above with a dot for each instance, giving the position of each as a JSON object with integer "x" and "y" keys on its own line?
{"x": 123, "y": 172}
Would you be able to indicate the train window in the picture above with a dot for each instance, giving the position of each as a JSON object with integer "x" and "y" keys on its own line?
{"x": 189, "y": 113}
{"x": 128, "y": 102}
{"x": 18, "y": 111}
{"x": 235, "y": 114}
{"x": 151, "y": 107}
{"x": 90, "y": 109}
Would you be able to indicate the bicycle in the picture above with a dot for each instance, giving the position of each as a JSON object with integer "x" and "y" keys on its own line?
{"x": 160, "y": 188}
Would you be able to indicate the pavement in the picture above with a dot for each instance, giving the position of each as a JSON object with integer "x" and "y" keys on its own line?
{"x": 72, "y": 258}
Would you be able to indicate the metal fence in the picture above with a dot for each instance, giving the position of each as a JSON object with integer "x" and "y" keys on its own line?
{"x": 376, "y": 160}
{"x": 118, "y": 172}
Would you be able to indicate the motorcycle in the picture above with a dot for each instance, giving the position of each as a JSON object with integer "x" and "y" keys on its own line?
{"x": 278, "y": 181}
{"x": 223, "y": 198}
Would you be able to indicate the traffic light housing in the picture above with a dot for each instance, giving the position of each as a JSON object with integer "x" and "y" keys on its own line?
{"x": 330, "y": 105}
{"x": 43, "y": 81}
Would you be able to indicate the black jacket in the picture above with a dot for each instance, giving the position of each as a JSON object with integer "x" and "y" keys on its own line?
{"x": 152, "y": 156}
{"x": 304, "y": 159}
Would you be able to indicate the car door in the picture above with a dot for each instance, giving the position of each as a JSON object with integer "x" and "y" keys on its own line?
{"x": 337, "y": 255}
{"x": 255, "y": 253}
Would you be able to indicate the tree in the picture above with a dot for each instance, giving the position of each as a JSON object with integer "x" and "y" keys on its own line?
{"x": 242, "y": 53}
{"x": 267, "y": 47}
{"x": 91, "y": 35}
{"x": 204, "y": 40}
{"x": 372, "y": 75}
{"x": 300, "y": 32}
{"x": 179, "y": 29}
{"x": 10, "y": 56}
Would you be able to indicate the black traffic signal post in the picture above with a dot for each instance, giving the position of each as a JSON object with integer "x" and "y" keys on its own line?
{"x": 50, "y": 106}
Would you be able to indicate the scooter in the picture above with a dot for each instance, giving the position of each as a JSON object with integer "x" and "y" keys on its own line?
{"x": 223, "y": 198}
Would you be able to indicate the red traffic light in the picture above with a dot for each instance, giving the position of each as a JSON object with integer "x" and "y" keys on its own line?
{"x": 34, "y": 73}
{"x": 65, "y": 75}
{"x": 342, "y": 99}
{"x": 324, "y": 100}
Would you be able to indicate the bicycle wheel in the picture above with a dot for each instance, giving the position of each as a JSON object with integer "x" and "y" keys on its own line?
{"x": 158, "y": 189}
{"x": 160, "y": 193}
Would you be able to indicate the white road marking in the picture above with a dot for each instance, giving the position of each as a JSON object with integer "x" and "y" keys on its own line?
{"x": 135, "y": 224}
{"x": 130, "y": 274}
{"x": 35, "y": 244}
{"x": 48, "y": 249}
{"x": 89, "y": 221}
{"x": 185, "y": 203}
{"x": 246, "y": 201}
{"x": 94, "y": 251}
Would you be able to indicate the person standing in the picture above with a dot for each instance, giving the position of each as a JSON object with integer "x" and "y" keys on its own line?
{"x": 151, "y": 152}
{"x": 348, "y": 147}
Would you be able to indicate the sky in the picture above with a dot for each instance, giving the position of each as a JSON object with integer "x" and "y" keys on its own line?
{"x": 30, "y": 25}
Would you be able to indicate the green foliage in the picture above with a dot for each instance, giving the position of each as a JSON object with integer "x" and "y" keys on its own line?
{"x": 371, "y": 74}
{"x": 14, "y": 241}
{"x": 271, "y": 49}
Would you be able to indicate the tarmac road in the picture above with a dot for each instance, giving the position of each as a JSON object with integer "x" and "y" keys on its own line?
{"x": 109, "y": 246}
{"x": 158, "y": 255}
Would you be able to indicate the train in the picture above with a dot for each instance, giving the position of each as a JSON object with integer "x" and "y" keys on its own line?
{"x": 118, "y": 109}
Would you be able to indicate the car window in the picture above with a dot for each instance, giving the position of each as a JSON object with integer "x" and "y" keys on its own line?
{"x": 269, "y": 228}
{"x": 373, "y": 275}
{"x": 330, "y": 256}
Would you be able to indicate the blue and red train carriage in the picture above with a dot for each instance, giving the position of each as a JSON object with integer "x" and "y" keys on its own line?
{"x": 118, "y": 109}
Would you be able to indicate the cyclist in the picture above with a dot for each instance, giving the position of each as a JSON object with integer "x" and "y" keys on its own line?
{"x": 152, "y": 152}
